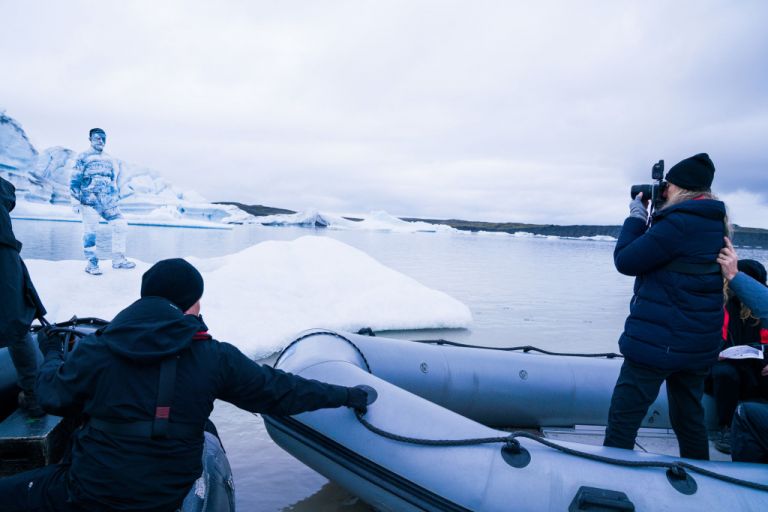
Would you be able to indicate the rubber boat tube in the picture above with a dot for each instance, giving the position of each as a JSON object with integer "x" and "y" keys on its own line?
{"x": 397, "y": 476}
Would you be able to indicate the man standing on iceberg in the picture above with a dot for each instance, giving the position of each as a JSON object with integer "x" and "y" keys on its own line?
{"x": 95, "y": 185}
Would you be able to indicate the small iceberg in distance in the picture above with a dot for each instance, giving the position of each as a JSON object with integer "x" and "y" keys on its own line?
{"x": 374, "y": 221}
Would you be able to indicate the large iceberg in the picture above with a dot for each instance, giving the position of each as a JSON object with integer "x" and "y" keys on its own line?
{"x": 42, "y": 187}
{"x": 261, "y": 297}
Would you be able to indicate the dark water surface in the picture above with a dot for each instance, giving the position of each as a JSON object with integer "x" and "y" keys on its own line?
{"x": 562, "y": 295}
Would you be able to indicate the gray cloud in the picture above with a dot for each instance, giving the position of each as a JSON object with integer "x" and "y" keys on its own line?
{"x": 482, "y": 110}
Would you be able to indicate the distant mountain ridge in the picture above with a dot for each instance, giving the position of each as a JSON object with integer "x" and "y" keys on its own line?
{"x": 744, "y": 237}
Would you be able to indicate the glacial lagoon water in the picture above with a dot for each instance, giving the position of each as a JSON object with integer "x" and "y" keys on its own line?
{"x": 561, "y": 295}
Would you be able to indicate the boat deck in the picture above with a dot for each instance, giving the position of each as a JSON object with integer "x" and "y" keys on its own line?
{"x": 652, "y": 440}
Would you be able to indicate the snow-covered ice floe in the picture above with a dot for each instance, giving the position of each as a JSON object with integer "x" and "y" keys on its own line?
{"x": 257, "y": 299}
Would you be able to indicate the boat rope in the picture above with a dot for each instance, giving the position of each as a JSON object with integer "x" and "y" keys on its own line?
{"x": 524, "y": 348}
{"x": 325, "y": 333}
{"x": 677, "y": 468}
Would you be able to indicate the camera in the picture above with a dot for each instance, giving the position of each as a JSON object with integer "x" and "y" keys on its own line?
{"x": 653, "y": 192}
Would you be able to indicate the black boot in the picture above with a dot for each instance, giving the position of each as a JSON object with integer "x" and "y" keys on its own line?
{"x": 28, "y": 404}
{"x": 723, "y": 442}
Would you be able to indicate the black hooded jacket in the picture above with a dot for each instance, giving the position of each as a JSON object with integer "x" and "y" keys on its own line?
{"x": 19, "y": 302}
{"x": 113, "y": 376}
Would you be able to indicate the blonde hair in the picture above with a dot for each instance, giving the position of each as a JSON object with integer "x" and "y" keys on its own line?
{"x": 686, "y": 195}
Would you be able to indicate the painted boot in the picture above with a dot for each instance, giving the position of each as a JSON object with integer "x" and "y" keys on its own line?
{"x": 121, "y": 262}
{"x": 93, "y": 267}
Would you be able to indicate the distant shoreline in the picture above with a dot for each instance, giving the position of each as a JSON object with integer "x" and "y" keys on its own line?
{"x": 742, "y": 236}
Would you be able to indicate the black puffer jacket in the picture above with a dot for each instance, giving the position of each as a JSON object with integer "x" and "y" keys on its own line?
{"x": 676, "y": 318}
{"x": 113, "y": 376}
{"x": 19, "y": 302}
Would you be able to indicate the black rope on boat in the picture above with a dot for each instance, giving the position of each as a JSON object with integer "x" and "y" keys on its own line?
{"x": 524, "y": 348}
{"x": 678, "y": 468}
{"x": 325, "y": 333}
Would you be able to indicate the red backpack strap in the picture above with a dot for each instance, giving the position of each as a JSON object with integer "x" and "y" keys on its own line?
{"x": 726, "y": 319}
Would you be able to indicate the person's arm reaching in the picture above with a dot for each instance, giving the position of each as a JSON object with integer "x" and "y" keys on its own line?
{"x": 262, "y": 389}
{"x": 751, "y": 292}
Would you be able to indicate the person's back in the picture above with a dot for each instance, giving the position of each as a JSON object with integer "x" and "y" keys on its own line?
{"x": 146, "y": 384}
{"x": 675, "y": 317}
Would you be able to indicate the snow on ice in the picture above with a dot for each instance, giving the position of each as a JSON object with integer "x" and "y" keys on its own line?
{"x": 260, "y": 298}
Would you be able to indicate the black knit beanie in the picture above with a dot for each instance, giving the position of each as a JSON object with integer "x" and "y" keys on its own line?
{"x": 694, "y": 173}
{"x": 174, "y": 279}
{"x": 753, "y": 269}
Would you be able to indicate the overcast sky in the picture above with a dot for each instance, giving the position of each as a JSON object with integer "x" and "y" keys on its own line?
{"x": 482, "y": 110}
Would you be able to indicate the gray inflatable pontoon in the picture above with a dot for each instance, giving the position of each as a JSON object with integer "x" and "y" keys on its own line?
{"x": 429, "y": 392}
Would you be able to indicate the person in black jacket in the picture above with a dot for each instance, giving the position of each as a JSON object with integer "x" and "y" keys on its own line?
{"x": 734, "y": 380}
{"x": 19, "y": 305}
{"x": 147, "y": 383}
{"x": 673, "y": 332}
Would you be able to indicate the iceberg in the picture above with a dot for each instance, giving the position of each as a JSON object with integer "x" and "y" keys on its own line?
{"x": 374, "y": 221}
{"x": 259, "y": 298}
{"x": 42, "y": 188}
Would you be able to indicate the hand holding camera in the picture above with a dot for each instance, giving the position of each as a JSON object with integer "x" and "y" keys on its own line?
{"x": 650, "y": 195}
{"x": 637, "y": 207}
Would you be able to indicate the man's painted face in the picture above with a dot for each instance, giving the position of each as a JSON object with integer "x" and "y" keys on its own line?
{"x": 98, "y": 140}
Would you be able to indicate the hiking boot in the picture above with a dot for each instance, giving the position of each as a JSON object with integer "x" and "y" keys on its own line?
{"x": 93, "y": 268}
{"x": 123, "y": 263}
{"x": 723, "y": 442}
{"x": 28, "y": 404}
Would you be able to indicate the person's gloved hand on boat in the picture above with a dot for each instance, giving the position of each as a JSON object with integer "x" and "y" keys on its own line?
{"x": 360, "y": 397}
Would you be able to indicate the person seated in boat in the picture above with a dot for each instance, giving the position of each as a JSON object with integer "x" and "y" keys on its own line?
{"x": 739, "y": 379}
{"x": 673, "y": 332}
{"x": 147, "y": 383}
{"x": 749, "y": 427}
{"x": 19, "y": 306}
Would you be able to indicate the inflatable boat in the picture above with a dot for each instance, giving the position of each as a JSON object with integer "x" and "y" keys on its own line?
{"x": 451, "y": 430}
{"x": 212, "y": 492}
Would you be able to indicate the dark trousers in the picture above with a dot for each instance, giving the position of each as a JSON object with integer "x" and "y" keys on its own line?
{"x": 23, "y": 353}
{"x": 734, "y": 380}
{"x": 636, "y": 389}
{"x": 37, "y": 490}
{"x": 749, "y": 433}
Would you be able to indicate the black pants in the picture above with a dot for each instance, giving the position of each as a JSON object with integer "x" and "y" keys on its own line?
{"x": 735, "y": 380}
{"x": 23, "y": 352}
{"x": 636, "y": 389}
{"x": 749, "y": 433}
{"x": 37, "y": 490}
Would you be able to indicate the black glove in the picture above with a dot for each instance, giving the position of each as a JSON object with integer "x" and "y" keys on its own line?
{"x": 49, "y": 342}
{"x": 360, "y": 397}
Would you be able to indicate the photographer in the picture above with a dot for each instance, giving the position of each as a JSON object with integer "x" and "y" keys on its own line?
{"x": 673, "y": 332}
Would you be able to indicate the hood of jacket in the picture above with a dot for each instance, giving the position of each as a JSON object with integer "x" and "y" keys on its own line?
{"x": 7, "y": 203}
{"x": 707, "y": 208}
{"x": 150, "y": 329}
